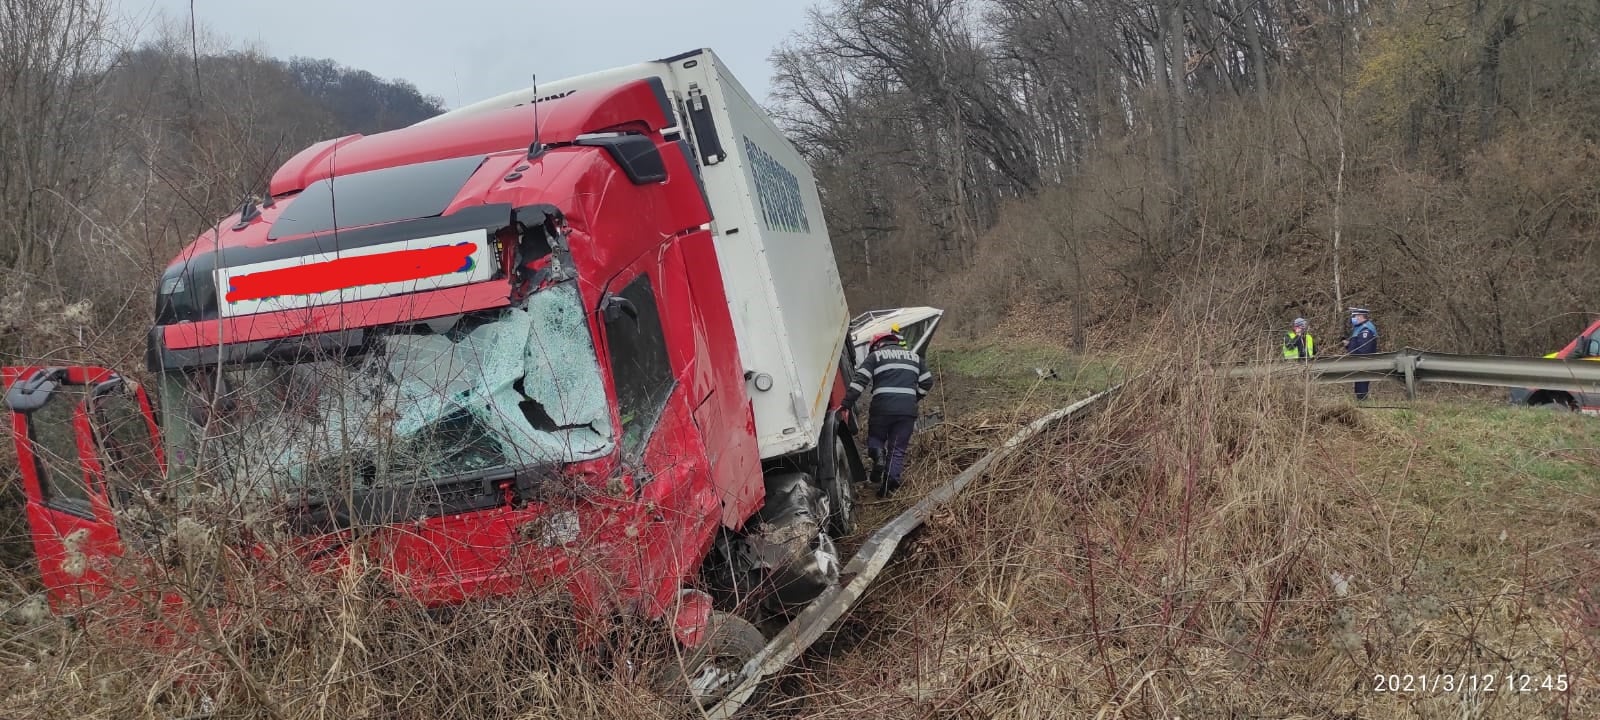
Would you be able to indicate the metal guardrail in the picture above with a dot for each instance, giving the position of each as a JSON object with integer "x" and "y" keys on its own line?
{"x": 869, "y": 561}
{"x": 1415, "y": 366}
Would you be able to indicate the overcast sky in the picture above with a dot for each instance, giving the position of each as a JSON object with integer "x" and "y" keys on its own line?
{"x": 467, "y": 50}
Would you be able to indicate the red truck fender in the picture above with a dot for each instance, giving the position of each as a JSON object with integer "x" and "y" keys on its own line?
{"x": 690, "y": 617}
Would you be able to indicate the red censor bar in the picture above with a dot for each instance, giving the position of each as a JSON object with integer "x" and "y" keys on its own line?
{"x": 352, "y": 272}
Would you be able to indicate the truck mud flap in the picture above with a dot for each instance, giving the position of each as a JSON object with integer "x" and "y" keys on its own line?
{"x": 870, "y": 560}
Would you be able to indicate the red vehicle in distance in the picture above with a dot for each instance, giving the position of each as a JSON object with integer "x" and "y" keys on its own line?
{"x": 1586, "y": 346}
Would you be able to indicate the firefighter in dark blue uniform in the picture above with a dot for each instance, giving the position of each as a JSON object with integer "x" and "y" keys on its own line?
{"x": 1363, "y": 340}
{"x": 899, "y": 380}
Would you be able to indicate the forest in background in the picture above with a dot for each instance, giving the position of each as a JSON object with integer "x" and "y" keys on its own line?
{"x": 1080, "y": 165}
{"x": 116, "y": 152}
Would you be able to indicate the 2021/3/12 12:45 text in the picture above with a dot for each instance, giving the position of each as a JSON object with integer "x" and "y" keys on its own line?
{"x": 1469, "y": 682}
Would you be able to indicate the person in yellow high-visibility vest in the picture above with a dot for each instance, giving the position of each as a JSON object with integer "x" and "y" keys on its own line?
{"x": 1298, "y": 343}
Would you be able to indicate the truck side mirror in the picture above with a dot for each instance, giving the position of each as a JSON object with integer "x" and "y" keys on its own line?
{"x": 1581, "y": 348}
{"x": 613, "y": 307}
{"x": 33, "y": 392}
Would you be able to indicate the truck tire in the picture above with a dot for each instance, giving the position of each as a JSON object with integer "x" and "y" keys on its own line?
{"x": 840, "y": 485}
{"x": 703, "y": 675}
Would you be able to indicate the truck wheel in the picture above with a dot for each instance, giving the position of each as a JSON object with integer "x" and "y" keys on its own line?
{"x": 841, "y": 489}
{"x": 709, "y": 672}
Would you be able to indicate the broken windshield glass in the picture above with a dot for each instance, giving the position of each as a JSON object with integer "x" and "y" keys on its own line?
{"x": 511, "y": 388}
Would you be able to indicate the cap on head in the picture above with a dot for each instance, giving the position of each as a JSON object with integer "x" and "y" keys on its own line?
{"x": 1359, "y": 311}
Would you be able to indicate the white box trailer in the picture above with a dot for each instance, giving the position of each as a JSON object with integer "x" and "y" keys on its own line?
{"x": 788, "y": 305}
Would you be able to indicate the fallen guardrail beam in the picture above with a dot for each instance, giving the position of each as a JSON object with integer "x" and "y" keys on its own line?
{"x": 1416, "y": 366}
{"x": 870, "y": 560}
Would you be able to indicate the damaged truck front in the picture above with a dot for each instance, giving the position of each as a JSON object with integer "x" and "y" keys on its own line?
{"x": 597, "y": 346}
{"x": 392, "y": 406}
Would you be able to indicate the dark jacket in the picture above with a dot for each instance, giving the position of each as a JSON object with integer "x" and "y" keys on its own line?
{"x": 1364, "y": 339}
{"x": 898, "y": 378}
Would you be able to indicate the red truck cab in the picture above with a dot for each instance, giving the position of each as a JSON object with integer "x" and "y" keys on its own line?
{"x": 503, "y": 357}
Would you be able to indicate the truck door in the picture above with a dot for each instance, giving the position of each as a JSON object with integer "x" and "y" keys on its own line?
{"x": 81, "y": 435}
{"x": 661, "y": 442}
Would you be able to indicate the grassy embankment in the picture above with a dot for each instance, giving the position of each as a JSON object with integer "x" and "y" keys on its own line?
{"x": 1203, "y": 549}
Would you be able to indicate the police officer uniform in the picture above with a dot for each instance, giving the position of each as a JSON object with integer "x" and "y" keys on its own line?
{"x": 1363, "y": 340}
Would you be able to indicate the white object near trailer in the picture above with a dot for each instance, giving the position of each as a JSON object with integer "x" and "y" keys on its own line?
{"x": 917, "y": 325}
{"x": 782, "y": 281}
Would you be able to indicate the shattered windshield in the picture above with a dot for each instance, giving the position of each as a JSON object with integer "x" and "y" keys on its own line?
{"x": 510, "y": 388}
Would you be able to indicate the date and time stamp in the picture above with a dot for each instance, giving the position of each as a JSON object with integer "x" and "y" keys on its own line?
{"x": 1516, "y": 683}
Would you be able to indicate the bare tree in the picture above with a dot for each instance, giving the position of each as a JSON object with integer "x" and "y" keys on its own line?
{"x": 51, "y": 55}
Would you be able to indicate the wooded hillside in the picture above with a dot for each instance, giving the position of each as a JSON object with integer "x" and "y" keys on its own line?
{"x": 1079, "y": 162}
{"x": 1432, "y": 160}
{"x": 116, "y": 154}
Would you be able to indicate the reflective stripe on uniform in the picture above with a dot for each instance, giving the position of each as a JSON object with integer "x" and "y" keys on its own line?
{"x": 893, "y": 366}
{"x": 892, "y": 391}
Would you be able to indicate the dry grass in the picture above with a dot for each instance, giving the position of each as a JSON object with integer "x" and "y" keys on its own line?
{"x": 339, "y": 648}
{"x": 1205, "y": 550}
{"x": 1196, "y": 549}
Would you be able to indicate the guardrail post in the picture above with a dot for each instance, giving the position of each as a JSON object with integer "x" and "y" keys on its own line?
{"x": 1408, "y": 366}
